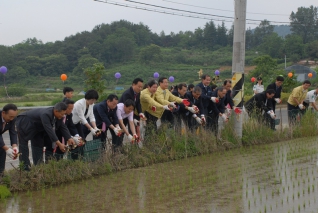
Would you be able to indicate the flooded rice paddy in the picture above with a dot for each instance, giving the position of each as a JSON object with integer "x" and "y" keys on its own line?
{"x": 279, "y": 177}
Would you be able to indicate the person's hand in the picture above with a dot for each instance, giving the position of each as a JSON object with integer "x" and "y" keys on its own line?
{"x": 154, "y": 108}
{"x": 166, "y": 107}
{"x": 228, "y": 111}
{"x": 71, "y": 141}
{"x": 77, "y": 140}
{"x": 225, "y": 118}
{"x": 136, "y": 138}
{"x": 62, "y": 147}
{"x": 142, "y": 116}
{"x": 172, "y": 105}
{"x": 10, "y": 153}
{"x": 272, "y": 114}
{"x": 93, "y": 131}
{"x": 192, "y": 110}
{"x": 16, "y": 151}
{"x": 301, "y": 106}
{"x": 97, "y": 131}
{"x": 136, "y": 122}
{"x": 203, "y": 120}
{"x": 130, "y": 138}
{"x": 215, "y": 100}
{"x": 117, "y": 131}
{"x": 198, "y": 120}
{"x": 195, "y": 108}
{"x": 278, "y": 100}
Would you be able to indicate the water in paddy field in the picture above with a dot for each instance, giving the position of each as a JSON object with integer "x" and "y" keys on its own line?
{"x": 279, "y": 177}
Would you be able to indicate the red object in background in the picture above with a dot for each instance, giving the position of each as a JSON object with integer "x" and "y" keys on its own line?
{"x": 309, "y": 75}
{"x": 237, "y": 111}
{"x": 153, "y": 108}
{"x": 186, "y": 102}
{"x": 253, "y": 79}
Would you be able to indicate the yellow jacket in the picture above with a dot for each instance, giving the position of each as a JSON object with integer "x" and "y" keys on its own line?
{"x": 165, "y": 99}
{"x": 147, "y": 101}
{"x": 299, "y": 93}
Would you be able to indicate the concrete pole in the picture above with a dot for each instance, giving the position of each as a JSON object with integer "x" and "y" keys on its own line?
{"x": 238, "y": 61}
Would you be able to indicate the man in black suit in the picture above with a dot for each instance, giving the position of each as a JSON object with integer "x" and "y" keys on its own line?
{"x": 194, "y": 97}
{"x": 67, "y": 119}
{"x": 106, "y": 118}
{"x": 133, "y": 93}
{"x": 216, "y": 109}
{"x": 8, "y": 117}
{"x": 206, "y": 93}
{"x": 35, "y": 124}
{"x": 182, "y": 112}
{"x": 261, "y": 106}
{"x": 228, "y": 100}
{"x": 277, "y": 86}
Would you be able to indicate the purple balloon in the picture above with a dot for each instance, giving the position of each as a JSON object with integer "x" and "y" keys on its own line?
{"x": 156, "y": 75}
{"x": 171, "y": 79}
{"x": 3, "y": 70}
{"x": 217, "y": 72}
{"x": 117, "y": 75}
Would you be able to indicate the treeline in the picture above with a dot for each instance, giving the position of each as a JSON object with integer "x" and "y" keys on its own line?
{"x": 126, "y": 42}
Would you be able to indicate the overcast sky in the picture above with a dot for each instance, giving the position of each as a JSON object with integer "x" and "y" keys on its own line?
{"x": 51, "y": 20}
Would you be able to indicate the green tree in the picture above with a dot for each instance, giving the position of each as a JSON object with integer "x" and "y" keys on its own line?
{"x": 150, "y": 53}
{"x": 294, "y": 45}
{"x": 94, "y": 78}
{"x": 209, "y": 33}
{"x": 221, "y": 35}
{"x": 264, "y": 29}
{"x": 273, "y": 45}
{"x": 265, "y": 66}
{"x": 312, "y": 50}
{"x": 305, "y": 23}
{"x": 84, "y": 62}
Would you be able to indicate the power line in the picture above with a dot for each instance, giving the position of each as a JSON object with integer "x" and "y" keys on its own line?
{"x": 160, "y": 11}
{"x": 281, "y": 22}
{"x": 210, "y": 8}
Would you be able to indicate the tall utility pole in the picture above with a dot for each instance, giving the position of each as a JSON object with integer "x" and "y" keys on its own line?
{"x": 238, "y": 61}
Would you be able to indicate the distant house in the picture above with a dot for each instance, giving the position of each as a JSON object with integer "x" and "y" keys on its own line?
{"x": 49, "y": 90}
{"x": 301, "y": 72}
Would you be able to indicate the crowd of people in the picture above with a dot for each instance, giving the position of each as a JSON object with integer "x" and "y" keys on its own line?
{"x": 66, "y": 125}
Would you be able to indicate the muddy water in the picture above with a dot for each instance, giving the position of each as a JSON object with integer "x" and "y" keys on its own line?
{"x": 280, "y": 177}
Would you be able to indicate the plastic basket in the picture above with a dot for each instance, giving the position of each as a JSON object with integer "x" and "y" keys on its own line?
{"x": 93, "y": 145}
{"x": 93, "y": 150}
{"x": 277, "y": 121}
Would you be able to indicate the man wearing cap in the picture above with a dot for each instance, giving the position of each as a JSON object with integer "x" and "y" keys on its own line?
{"x": 258, "y": 87}
{"x": 277, "y": 86}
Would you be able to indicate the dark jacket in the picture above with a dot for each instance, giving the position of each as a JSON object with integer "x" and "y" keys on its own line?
{"x": 12, "y": 132}
{"x": 205, "y": 96}
{"x": 130, "y": 94}
{"x": 278, "y": 91}
{"x": 35, "y": 121}
{"x": 196, "y": 102}
{"x": 181, "y": 108}
{"x": 105, "y": 115}
{"x": 260, "y": 103}
{"x": 70, "y": 126}
{"x": 216, "y": 108}
{"x": 228, "y": 99}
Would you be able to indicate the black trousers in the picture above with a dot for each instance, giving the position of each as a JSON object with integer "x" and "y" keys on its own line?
{"x": 293, "y": 111}
{"x": 151, "y": 126}
{"x": 213, "y": 122}
{"x": 2, "y": 160}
